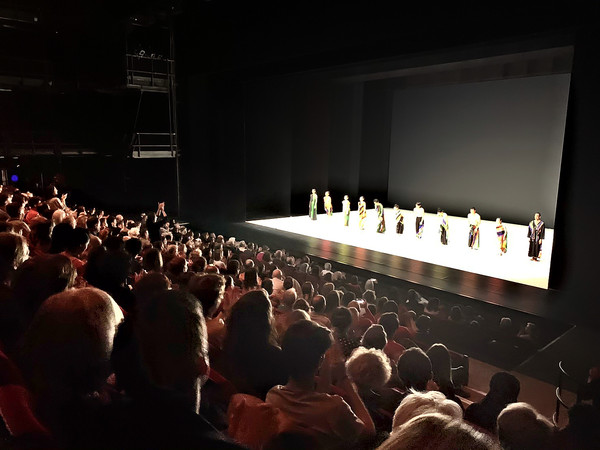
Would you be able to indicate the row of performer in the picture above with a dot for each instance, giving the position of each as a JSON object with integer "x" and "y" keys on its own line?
{"x": 536, "y": 230}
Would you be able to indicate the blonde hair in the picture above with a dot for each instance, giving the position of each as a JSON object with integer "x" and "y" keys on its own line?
{"x": 521, "y": 426}
{"x": 438, "y": 432}
{"x": 368, "y": 368}
{"x": 419, "y": 403}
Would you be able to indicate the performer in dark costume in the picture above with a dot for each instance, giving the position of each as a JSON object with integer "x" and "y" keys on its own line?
{"x": 380, "y": 216}
{"x": 536, "y": 233}
{"x": 399, "y": 220}
{"x": 443, "y": 226}
{"x": 312, "y": 205}
{"x": 419, "y": 222}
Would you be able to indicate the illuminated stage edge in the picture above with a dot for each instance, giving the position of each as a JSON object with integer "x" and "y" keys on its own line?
{"x": 513, "y": 266}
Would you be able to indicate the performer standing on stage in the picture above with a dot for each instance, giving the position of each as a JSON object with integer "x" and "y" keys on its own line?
{"x": 399, "y": 220}
{"x": 346, "y": 210}
{"x": 502, "y": 235}
{"x": 327, "y": 204}
{"x": 312, "y": 205}
{"x": 474, "y": 223}
{"x": 362, "y": 213}
{"x": 443, "y": 226}
{"x": 419, "y": 221}
{"x": 536, "y": 233}
{"x": 380, "y": 216}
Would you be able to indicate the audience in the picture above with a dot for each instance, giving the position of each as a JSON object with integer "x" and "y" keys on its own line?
{"x": 327, "y": 349}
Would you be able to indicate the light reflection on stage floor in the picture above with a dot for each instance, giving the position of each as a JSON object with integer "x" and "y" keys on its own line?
{"x": 513, "y": 266}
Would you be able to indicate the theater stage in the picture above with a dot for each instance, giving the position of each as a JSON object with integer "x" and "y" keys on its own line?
{"x": 513, "y": 266}
{"x": 425, "y": 265}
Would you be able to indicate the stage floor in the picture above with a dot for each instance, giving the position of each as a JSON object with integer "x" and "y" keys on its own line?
{"x": 513, "y": 266}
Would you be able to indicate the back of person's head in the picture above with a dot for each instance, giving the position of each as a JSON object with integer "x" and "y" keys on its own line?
{"x": 14, "y": 210}
{"x": 288, "y": 283}
{"x": 390, "y": 307}
{"x": 341, "y": 319}
{"x": 61, "y": 234}
{"x": 152, "y": 260}
{"x": 13, "y": 252}
{"x": 441, "y": 363}
{"x": 149, "y": 285}
{"x": 333, "y": 301}
{"x": 267, "y": 285}
{"x": 348, "y": 297}
{"x": 433, "y": 304}
{"x": 250, "y": 278}
{"x": 521, "y": 427}
{"x": 301, "y": 304}
{"x": 40, "y": 277}
{"x": 163, "y": 348}
{"x": 133, "y": 246}
{"x": 296, "y": 315}
{"x": 423, "y": 323}
{"x": 289, "y": 297}
{"x": 414, "y": 369}
{"x": 308, "y": 289}
{"x": 303, "y": 345}
{"x": 319, "y": 304}
{"x": 41, "y": 235}
{"x": 369, "y": 296}
{"x": 374, "y": 337}
{"x": 250, "y": 322}
{"x": 418, "y": 403}
{"x": 390, "y": 323}
{"x": 438, "y": 432}
{"x": 504, "y": 388}
{"x": 209, "y": 290}
{"x": 456, "y": 314}
{"x": 77, "y": 241}
{"x": 369, "y": 369}
{"x": 66, "y": 350}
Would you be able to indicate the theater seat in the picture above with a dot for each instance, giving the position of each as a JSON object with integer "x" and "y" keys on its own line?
{"x": 15, "y": 405}
{"x": 253, "y": 422}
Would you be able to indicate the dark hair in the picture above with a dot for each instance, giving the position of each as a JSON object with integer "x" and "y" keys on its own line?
{"x": 414, "y": 369}
{"x": 369, "y": 296}
{"x": 149, "y": 285}
{"x": 504, "y": 388}
{"x": 133, "y": 246}
{"x": 267, "y": 285}
{"x": 341, "y": 318}
{"x": 308, "y": 289}
{"x": 250, "y": 278}
{"x": 143, "y": 355}
{"x": 13, "y": 209}
{"x": 303, "y": 345}
{"x": 390, "y": 306}
{"x": 441, "y": 364}
{"x": 208, "y": 289}
{"x": 423, "y": 323}
{"x": 250, "y": 324}
{"x": 152, "y": 260}
{"x": 61, "y": 234}
{"x": 301, "y": 304}
{"x": 433, "y": 304}
{"x": 390, "y": 323}
{"x": 348, "y": 297}
{"x": 332, "y": 301}
{"x": 319, "y": 304}
{"x": 77, "y": 240}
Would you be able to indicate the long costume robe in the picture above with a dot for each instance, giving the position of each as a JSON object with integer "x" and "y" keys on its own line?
{"x": 419, "y": 221}
{"x": 444, "y": 229}
{"x": 346, "y": 210}
{"x": 502, "y": 237}
{"x": 312, "y": 206}
{"x": 327, "y": 205}
{"x": 536, "y": 233}
{"x": 399, "y": 221}
{"x": 380, "y": 218}
{"x": 362, "y": 214}
{"x": 474, "y": 223}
